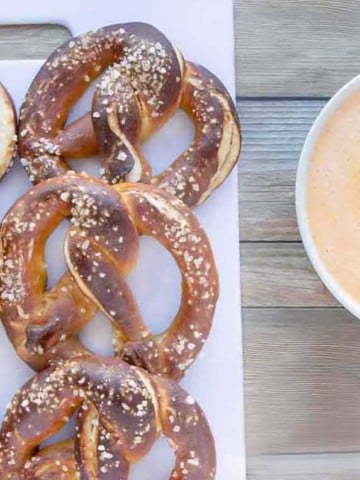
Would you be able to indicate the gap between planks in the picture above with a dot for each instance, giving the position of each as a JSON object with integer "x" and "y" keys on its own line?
{"x": 289, "y": 48}
{"x": 273, "y": 132}
{"x": 274, "y": 266}
{"x": 302, "y": 380}
{"x": 301, "y": 364}
{"x": 345, "y": 466}
{"x": 280, "y": 275}
{"x": 296, "y": 47}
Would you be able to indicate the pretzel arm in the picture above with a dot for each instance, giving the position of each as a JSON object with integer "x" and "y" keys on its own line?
{"x": 208, "y": 161}
{"x": 120, "y": 116}
{"x": 187, "y": 430}
{"x": 38, "y": 411}
{"x": 78, "y": 139}
{"x": 54, "y": 462}
{"x": 104, "y": 463}
{"x": 168, "y": 220}
{"x": 100, "y": 276}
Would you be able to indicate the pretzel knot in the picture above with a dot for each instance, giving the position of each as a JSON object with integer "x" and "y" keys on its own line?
{"x": 143, "y": 81}
{"x": 101, "y": 247}
{"x": 121, "y": 412}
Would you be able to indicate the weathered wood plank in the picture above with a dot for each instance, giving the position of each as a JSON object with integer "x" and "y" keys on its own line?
{"x": 296, "y": 47}
{"x": 282, "y": 48}
{"x": 287, "y": 48}
{"x": 343, "y": 466}
{"x": 301, "y": 364}
{"x": 280, "y": 275}
{"x": 302, "y": 381}
{"x": 30, "y": 41}
{"x": 274, "y": 132}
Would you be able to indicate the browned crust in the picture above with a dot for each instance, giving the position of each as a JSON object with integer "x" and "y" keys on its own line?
{"x": 101, "y": 248}
{"x": 56, "y": 462}
{"x": 160, "y": 215}
{"x": 7, "y": 131}
{"x": 217, "y": 141}
{"x": 122, "y": 411}
{"x": 43, "y": 324}
{"x": 144, "y": 81}
{"x": 185, "y": 426}
{"x": 139, "y": 67}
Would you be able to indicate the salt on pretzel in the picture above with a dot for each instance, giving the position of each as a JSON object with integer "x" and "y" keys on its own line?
{"x": 122, "y": 411}
{"x": 56, "y": 462}
{"x": 158, "y": 214}
{"x": 27, "y": 306}
{"x": 7, "y": 131}
{"x": 144, "y": 81}
{"x": 101, "y": 247}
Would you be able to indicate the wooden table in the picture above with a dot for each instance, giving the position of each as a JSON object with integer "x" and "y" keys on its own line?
{"x": 302, "y": 351}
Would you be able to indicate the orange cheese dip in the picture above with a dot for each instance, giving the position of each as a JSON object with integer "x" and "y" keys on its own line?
{"x": 333, "y": 196}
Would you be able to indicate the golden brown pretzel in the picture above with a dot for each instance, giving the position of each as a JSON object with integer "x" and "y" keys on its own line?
{"x": 143, "y": 83}
{"x": 56, "y": 462}
{"x": 123, "y": 410}
{"x": 101, "y": 247}
{"x": 7, "y": 131}
{"x": 64, "y": 309}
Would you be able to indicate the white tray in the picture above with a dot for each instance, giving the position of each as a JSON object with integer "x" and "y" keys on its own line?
{"x": 203, "y": 30}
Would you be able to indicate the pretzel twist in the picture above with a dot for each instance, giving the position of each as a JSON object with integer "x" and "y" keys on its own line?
{"x": 62, "y": 310}
{"x": 101, "y": 247}
{"x": 122, "y": 411}
{"x": 144, "y": 81}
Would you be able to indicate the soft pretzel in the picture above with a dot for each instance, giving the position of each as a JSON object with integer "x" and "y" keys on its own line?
{"x": 101, "y": 247}
{"x": 25, "y": 302}
{"x": 56, "y": 462}
{"x": 7, "y": 131}
{"x": 144, "y": 80}
{"x": 122, "y": 411}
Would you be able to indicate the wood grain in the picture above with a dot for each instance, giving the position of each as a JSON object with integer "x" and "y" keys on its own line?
{"x": 345, "y": 466}
{"x": 283, "y": 47}
{"x": 30, "y": 41}
{"x": 301, "y": 364}
{"x": 280, "y": 275}
{"x": 274, "y": 132}
{"x": 302, "y": 380}
{"x": 296, "y": 47}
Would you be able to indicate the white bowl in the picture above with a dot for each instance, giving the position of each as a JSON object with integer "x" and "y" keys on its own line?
{"x": 301, "y": 196}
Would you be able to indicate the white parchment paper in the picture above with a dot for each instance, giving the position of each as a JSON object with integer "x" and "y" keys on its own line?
{"x": 203, "y": 30}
